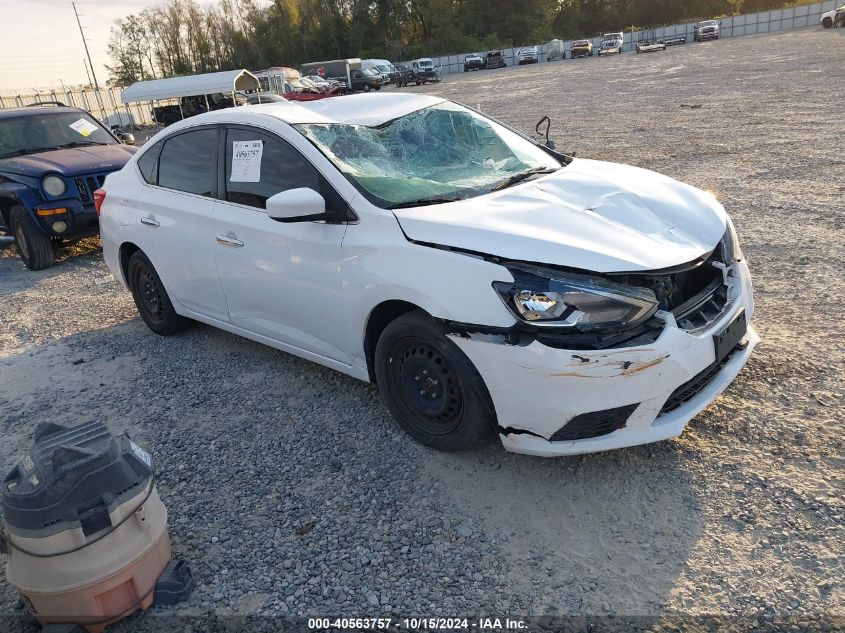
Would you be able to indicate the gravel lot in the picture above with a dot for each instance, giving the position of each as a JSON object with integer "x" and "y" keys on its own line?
{"x": 291, "y": 491}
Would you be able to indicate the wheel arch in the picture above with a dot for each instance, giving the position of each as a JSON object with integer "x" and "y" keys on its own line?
{"x": 379, "y": 318}
{"x": 127, "y": 249}
{"x": 16, "y": 194}
{"x": 6, "y": 204}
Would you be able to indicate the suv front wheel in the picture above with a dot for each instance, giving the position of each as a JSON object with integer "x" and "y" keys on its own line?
{"x": 429, "y": 385}
{"x": 35, "y": 248}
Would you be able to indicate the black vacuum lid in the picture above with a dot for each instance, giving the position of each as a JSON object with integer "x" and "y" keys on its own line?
{"x": 68, "y": 472}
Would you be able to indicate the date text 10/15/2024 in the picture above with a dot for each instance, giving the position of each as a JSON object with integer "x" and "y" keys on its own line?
{"x": 413, "y": 624}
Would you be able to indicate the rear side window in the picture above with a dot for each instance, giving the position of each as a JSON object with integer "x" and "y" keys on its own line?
{"x": 188, "y": 162}
{"x": 148, "y": 164}
{"x": 258, "y": 166}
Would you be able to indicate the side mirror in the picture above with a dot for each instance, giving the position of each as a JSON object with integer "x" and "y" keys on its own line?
{"x": 548, "y": 123}
{"x": 297, "y": 205}
{"x": 126, "y": 138}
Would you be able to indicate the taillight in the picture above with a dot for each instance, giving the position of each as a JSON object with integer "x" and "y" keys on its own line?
{"x": 99, "y": 197}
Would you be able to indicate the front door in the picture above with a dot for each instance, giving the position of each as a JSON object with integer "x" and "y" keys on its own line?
{"x": 281, "y": 280}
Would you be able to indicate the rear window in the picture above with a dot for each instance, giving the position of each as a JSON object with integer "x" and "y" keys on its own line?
{"x": 188, "y": 162}
{"x": 148, "y": 164}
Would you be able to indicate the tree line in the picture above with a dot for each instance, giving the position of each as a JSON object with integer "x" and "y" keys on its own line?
{"x": 180, "y": 37}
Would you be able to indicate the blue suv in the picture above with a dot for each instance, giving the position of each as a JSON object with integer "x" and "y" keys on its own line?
{"x": 52, "y": 159}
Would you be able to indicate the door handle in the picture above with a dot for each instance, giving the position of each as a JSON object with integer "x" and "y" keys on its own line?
{"x": 150, "y": 221}
{"x": 228, "y": 241}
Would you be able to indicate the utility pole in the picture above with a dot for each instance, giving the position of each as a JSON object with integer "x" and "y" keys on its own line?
{"x": 85, "y": 43}
{"x": 86, "y": 71}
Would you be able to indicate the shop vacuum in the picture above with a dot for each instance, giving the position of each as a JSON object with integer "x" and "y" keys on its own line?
{"x": 85, "y": 531}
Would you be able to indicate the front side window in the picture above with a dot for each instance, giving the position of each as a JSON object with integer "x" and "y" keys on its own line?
{"x": 259, "y": 166}
{"x": 188, "y": 162}
{"x": 438, "y": 154}
{"x": 47, "y": 131}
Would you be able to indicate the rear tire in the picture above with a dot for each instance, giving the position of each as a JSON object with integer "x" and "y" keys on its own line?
{"x": 430, "y": 387}
{"x": 151, "y": 298}
{"x": 35, "y": 248}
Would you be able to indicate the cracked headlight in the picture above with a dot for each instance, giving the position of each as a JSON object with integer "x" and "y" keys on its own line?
{"x": 551, "y": 298}
{"x": 53, "y": 186}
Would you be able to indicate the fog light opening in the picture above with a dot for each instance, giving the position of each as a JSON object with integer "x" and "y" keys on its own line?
{"x": 60, "y": 227}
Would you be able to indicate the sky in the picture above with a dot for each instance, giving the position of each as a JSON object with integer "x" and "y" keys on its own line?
{"x": 40, "y": 44}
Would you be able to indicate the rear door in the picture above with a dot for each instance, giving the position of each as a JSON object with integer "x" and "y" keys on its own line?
{"x": 173, "y": 220}
{"x": 281, "y": 280}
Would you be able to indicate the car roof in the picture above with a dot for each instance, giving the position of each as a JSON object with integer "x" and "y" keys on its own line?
{"x": 16, "y": 113}
{"x": 358, "y": 109}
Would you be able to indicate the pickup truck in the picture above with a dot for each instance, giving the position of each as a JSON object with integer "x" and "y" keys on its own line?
{"x": 581, "y": 48}
{"x": 473, "y": 61}
{"x": 836, "y": 17}
{"x": 611, "y": 44}
{"x": 528, "y": 55}
{"x": 706, "y": 30}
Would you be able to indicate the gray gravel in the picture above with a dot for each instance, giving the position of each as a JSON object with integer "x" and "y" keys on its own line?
{"x": 291, "y": 491}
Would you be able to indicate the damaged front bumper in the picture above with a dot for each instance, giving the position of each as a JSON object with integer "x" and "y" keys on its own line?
{"x": 611, "y": 398}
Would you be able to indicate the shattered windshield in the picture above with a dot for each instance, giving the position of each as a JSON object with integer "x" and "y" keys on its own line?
{"x": 438, "y": 154}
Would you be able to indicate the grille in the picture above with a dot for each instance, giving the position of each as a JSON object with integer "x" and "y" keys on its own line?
{"x": 594, "y": 424}
{"x": 88, "y": 184}
{"x": 695, "y": 385}
{"x": 695, "y": 296}
{"x": 703, "y": 308}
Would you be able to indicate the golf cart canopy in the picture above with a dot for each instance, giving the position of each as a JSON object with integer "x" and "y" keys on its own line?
{"x": 224, "y": 82}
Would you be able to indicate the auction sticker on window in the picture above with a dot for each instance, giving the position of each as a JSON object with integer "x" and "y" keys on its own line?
{"x": 246, "y": 161}
{"x": 83, "y": 127}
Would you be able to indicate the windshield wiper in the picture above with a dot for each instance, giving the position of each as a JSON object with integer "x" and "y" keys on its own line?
{"x": 422, "y": 202}
{"x": 78, "y": 143}
{"x": 37, "y": 150}
{"x": 525, "y": 175}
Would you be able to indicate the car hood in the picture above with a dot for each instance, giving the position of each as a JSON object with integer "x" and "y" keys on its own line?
{"x": 591, "y": 215}
{"x": 69, "y": 162}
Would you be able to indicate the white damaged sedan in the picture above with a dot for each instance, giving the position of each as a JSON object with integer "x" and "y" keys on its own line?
{"x": 485, "y": 282}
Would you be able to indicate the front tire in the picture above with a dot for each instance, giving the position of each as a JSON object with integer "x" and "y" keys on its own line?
{"x": 430, "y": 387}
{"x": 151, "y": 298}
{"x": 35, "y": 248}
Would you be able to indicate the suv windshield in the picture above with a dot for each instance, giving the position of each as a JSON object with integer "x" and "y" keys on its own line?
{"x": 46, "y": 131}
{"x": 708, "y": 23}
{"x": 426, "y": 63}
{"x": 438, "y": 154}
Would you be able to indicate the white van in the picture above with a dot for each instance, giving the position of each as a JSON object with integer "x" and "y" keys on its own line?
{"x": 382, "y": 67}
